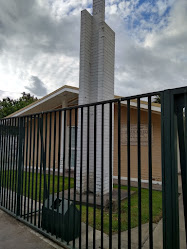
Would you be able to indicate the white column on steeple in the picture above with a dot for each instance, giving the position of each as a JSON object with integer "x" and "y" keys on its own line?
{"x": 96, "y": 83}
{"x": 99, "y": 10}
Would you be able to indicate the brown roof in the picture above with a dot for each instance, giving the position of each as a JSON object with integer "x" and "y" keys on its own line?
{"x": 74, "y": 88}
{"x": 39, "y": 100}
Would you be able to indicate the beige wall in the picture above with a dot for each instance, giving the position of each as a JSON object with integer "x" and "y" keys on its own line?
{"x": 156, "y": 145}
{"x": 49, "y": 141}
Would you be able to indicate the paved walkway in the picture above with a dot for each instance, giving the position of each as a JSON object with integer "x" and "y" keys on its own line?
{"x": 16, "y": 235}
{"x": 157, "y": 234}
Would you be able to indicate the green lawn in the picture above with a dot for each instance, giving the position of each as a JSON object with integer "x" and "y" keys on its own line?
{"x": 66, "y": 182}
{"x": 157, "y": 203}
{"x": 157, "y": 212}
{"x": 32, "y": 181}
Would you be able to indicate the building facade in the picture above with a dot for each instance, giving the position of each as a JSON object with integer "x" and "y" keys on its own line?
{"x": 96, "y": 83}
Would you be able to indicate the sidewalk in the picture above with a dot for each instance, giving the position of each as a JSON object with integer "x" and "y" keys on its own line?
{"x": 16, "y": 235}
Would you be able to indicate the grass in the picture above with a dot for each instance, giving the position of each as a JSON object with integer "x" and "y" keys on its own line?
{"x": 35, "y": 178}
{"x": 156, "y": 208}
{"x": 157, "y": 212}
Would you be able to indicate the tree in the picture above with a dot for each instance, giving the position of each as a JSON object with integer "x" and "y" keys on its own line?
{"x": 157, "y": 99}
{"x": 8, "y": 106}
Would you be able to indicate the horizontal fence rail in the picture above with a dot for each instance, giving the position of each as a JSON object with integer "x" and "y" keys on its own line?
{"x": 94, "y": 175}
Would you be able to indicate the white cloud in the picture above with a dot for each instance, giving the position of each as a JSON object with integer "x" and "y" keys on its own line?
{"x": 150, "y": 55}
{"x": 41, "y": 38}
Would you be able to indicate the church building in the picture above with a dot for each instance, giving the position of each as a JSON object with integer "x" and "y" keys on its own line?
{"x": 96, "y": 83}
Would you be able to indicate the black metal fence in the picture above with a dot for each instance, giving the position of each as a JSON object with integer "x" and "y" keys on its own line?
{"x": 100, "y": 175}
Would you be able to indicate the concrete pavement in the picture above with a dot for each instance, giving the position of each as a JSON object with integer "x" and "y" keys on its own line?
{"x": 16, "y": 235}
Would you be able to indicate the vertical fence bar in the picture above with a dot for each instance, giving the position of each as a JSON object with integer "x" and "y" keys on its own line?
{"x": 8, "y": 164}
{"x": 36, "y": 181}
{"x": 58, "y": 176}
{"x": 102, "y": 174}
{"x": 44, "y": 161}
{"x": 129, "y": 173}
{"x": 185, "y": 166}
{"x": 49, "y": 172}
{"x": 75, "y": 182}
{"x": 25, "y": 172}
{"x": 64, "y": 168}
{"x": 2, "y": 160}
{"x": 16, "y": 160}
{"x": 33, "y": 163}
{"x": 164, "y": 189}
{"x": 69, "y": 170}
{"x": 119, "y": 174}
{"x": 88, "y": 166}
{"x": 150, "y": 174}
{"x": 8, "y": 177}
{"x": 110, "y": 175}
{"x": 174, "y": 174}
{"x": 53, "y": 187}
{"x": 44, "y": 177}
{"x": 41, "y": 165}
{"x": 22, "y": 171}
{"x": 13, "y": 163}
{"x": 95, "y": 160}
{"x": 5, "y": 164}
{"x": 179, "y": 106}
{"x": 29, "y": 180}
{"x": 20, "y": 164}
{"x": 11, "y": 148}
{"x": 169, "y": 173}
{"x": 139, "y": 176}
{"x": 1, "y": 153}
{"x": 10, "y": 174}
{"x": 81, "y": 160}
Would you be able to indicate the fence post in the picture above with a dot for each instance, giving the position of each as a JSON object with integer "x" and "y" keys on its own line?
{"x": 20, "y": 164}
{"x": 181, "y": 101}
{"x": 169, "y": 172}
{"x": 1, "y": 148}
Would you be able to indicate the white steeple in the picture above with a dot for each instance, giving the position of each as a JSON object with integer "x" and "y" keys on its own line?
{"x": 99, "y": 10}
{"x": 96, "y": 83}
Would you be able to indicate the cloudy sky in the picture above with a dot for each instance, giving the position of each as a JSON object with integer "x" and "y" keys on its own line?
{"x": 39, "y": 44}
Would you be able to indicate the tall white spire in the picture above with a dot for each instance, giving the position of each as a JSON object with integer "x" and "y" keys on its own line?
{"x": 99, "y": 10}
{"x": 96, "y": 83}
